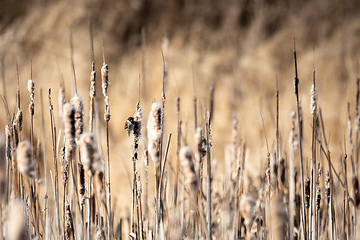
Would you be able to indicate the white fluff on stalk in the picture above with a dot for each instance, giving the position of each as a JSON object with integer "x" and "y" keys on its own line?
{"x": 154, "y": 131}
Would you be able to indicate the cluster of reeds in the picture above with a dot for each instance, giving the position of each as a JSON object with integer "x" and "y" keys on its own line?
{"x": 290, "y": 202}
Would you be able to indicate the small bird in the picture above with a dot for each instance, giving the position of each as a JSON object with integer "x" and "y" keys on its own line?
{"x": 129, "y": 125}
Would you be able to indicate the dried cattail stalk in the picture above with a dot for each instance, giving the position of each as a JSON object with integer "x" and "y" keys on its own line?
{"x": 279, "y": 219}
{"x": 100, "y": 185}
{"x": 62, "y": 100}
{"x": 16, "y": 223}
{"x": 25, "y": 163}
{"x": 68, "y": 219}
{"x": 31, "y": 89}
{"x": 188, "y": 167}
{"x": 69, "y": 130}
{"x": 356, "y": 190}
{"x": 82, "y": 188}
{"x": 313, "y": 104}
{"x": 246, "y": 207}
{"x": 105, "y": 85}
{"x": 307, "y": 192}
{"x": 64, "y": 166}
{"x": 77, "y": 102}
{"x": 327, "y": 187}
{"x": 90, "y": 156}
{"x": 154, "y": 130}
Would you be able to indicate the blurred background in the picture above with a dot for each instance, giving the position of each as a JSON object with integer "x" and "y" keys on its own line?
{"x": 241, "y": 46}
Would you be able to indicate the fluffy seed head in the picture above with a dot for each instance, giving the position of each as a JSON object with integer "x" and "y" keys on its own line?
{"x": 90, "y": 156}
{"x": 16, "y": 222}
{"x": 188, "y": 167}
{"x": 19, "y": 119}
{"x": 99, "y": 185}
{"x": 69, "y": 130}
{"x": 77, "y": 102}
{"x": 200, "y": 142}
{"x": 246, "y": 206}
{"x": 25, "y": 163}
{"x": 154, "y": 131}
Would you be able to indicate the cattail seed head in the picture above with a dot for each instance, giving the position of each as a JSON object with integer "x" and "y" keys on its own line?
{"x": 77, "y": 102}
{"x": 99, "y": 185}
{"x": 31, "y": 89}
{"x": 16, "y": 222}
{"x": 25, "y": 163}
{"x": 293, "y": 138}
{"x": 313, "y": 104}
{"x": 68, "y": 219}
{"x": 90, "y": 156}
{"x": 105, "y": 79}
{"x": 282, "y": 170}
{"x": 327, "y": 187}
{"x": 64, "y": 166}
{"x": 19, "y": 119}
{"x": 307, "y": 192}
{"x": 356, "y": 190}
{"x": 188, "y": 167}
{"x": 69, "y": 130}
{"x": 318, "y": 198}
{"x": 82, "y": 188}
{"x": 93, "y": 83}
{"x": 200, "y": 142}
{"x": 154, "y": 130}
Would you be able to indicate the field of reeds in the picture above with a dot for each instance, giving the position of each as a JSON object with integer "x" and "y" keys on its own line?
{"x": 209, "y": 120}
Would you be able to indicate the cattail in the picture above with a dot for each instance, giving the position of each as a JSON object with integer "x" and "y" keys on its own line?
{"x": 105, "y": 85}
{"x": 99, "y": 185}
{"x": 313, "y": 104}
{"x": 8, "y": 142}
{"x": 31, "y": 89}
{"x": 68, "y": 219}
{"x": 307, "y": 192}
{"x": 282, "y": 170}
{"x": 69, "y": 130}
{"x": 82, "y": 188}
{"x": 64, "y": 166}
{"x": 154, "y": 130}
{"x": 293, "y": 138}
{"x": 318, "y": 198}
{"x": 77, "y": 102}
{"x": 279, "y": 218}
{"x": 188, "y": 167}
{"x": 25, "y": 163}
{"x": 16, "y": 222}
{"x": 93, "y": 83}
{"x": 246, "y": 207}
{"x": 19, "y": 119}
{"x": 200, "y": 142}
{"x": 62, "y": 100}
{"x": 356, "y": 190}
{"x": 90, "y": 156}
{"x": 136, "y": 131}
{"x": 327, "y": 187}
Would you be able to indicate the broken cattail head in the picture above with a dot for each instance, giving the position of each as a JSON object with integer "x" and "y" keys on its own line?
{"x": 200, "y": 142}
{"x": 69, "y": 130}
{"x": 8, "y": 135}
{"x": 82, "y": 188}
{"x": 318, "y": 198}
{"x": 93, "y": 83}
{"x": 188, "y": 167}
{"x": 19, "y": 119}
{"x": 64, "y": 166}
{"x": 246, "y": 206}
{"x": 99, "y": 185}
{"x": 104, "y": 79}
{"x": 154, "y": 130}
{"x": 31, "y": 89}
{"x": 25, "y": 163}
